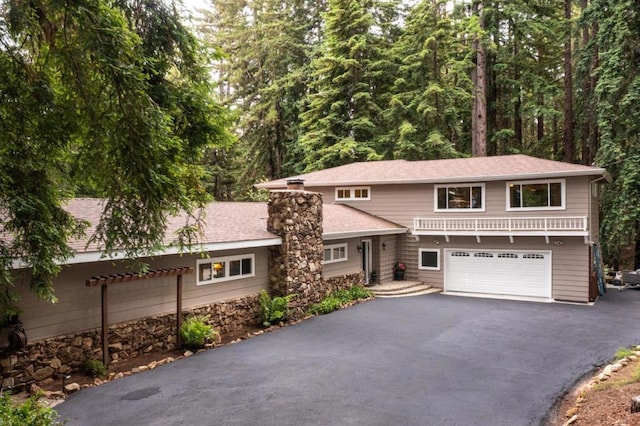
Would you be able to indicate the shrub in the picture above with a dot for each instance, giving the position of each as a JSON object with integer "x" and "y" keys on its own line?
{"x": 196, "y": 331}
{"x": 273, "y": 310}
{"x": 624, "y": 352}
{"x": 95, "y": 368}
{"x": 28, "y": 413}
{"x": 358, "y": 292}
{"x": 338, "y": 299}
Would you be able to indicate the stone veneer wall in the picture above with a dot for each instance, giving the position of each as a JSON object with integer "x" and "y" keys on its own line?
{"x": 42, "y": 361}
{"x": 296, "y": 266}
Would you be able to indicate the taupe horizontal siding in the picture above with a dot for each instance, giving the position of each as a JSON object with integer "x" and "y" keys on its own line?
{"x": 79, "y": 307}
{"x": 352, "y": 265}
{"x": 403, "y": 203}
{"x": 570, "y": 267}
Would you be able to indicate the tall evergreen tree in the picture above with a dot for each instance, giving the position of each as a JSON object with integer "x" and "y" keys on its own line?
{"x": 617, "y": 94}
{"x": 339, "y": 124}
{"x": 432, "y": 90}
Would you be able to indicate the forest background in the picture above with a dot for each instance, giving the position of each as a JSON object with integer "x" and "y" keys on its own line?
{"x": 317, "y": 84}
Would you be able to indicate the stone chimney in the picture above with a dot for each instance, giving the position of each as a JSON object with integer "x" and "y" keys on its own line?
{"x": 295, "y": 184}
{"x": 296, "y": 266}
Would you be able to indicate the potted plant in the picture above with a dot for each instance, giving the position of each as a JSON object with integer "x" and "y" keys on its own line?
{"x": 398, "y": 271}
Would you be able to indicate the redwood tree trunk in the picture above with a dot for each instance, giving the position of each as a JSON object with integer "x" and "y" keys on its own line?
{"x": 479, "y": 137}
{"x": 569, "y": 149}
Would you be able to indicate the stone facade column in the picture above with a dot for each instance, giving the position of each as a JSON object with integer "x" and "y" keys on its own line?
{"x": 296, "y": 266}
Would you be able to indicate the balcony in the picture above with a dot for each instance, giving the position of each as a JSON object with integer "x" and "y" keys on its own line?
{"x": 507, "y": 226}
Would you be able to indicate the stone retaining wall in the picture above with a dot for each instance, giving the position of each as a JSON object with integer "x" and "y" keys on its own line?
{"x": 43, "y": 361}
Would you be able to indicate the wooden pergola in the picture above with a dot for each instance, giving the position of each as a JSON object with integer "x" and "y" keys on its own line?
{"x": 105, "y": 280}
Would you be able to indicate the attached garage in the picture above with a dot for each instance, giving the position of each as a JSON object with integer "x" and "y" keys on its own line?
{"x": 498, "y": 272}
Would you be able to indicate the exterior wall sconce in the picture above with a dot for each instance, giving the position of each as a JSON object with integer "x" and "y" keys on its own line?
{"x": 384, "y": 246}
{"x": 359, "y": 249}
{"x": 558, "y": 242}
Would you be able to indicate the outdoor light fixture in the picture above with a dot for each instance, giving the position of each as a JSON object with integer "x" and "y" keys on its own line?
{"x": 359, "y": 249}
{"x": 384, "y": 246}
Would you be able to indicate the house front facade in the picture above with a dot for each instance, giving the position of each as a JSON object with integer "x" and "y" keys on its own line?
{"x": 505, "y": 226}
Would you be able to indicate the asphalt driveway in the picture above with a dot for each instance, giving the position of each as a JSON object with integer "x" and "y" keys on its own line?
{"x": 426, "y": 360}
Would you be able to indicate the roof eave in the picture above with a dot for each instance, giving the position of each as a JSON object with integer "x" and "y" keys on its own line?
{"x": 99, "y": 256}
{"x": 518, "y": 176}
{"x": 329, "y": 236}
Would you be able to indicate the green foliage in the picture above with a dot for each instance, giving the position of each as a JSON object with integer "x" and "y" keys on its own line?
{"x": 104, "y": 99}
{"x": 196, "y": 331}
{"x": 273, "y": 310}
{"x": 29, "y": 413}
{"x": 95, "y": 368}
{"x": 338, "y": 299}
{"x": 624, "y": 352}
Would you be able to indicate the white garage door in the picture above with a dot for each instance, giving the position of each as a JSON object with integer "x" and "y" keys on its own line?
{"x": 513, "y": 273}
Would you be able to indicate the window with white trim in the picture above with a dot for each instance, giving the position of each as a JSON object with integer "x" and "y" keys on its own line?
{"x": 335, "y": 253}
{"x": 536, "y": 195}
{"x": 459, "y": 197}
{"x": 429, "y": 259}
{"x": 353, "y": 193}
{"x": 226, "y": 268}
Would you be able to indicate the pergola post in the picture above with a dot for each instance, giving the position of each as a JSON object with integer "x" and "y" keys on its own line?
{"x": 179, "y": 312}
{"x": 105, "y": 326}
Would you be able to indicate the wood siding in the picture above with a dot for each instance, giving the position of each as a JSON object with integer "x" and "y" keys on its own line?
{"x": 352, "y": 265}
{"x": 403, "y": 203}
{"x": 78, "y": 306}
{"x": 570, "y": 261}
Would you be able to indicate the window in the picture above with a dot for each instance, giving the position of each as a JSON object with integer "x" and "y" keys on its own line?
{"x": 462, "y": 197}
{"x": 335, "y": 253}
{"x": 429, "y": 259}
{"x": 353, "y": 193}
{"x": 535, "y": 195}
{"x": 225, "y": 268}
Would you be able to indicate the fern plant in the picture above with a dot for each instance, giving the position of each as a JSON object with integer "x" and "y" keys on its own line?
{"x": 196, "y": 331}
{"x": 273, "y": 309}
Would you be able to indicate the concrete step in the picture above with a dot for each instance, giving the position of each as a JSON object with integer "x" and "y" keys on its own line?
{"x": 402, "y": 288}
{"x": 416, "y": 293}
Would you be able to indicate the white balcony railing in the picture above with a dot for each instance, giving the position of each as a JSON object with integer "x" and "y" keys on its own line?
{"x": 560, "y": 225}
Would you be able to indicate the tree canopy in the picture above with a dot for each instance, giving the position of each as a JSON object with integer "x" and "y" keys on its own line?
{"x": 99, "y": 98}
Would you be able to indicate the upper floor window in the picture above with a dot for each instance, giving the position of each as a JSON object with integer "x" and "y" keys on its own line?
{"x": 536, "y": 195}
{"x": 225, "y": 268}
{"x": 459, "y": 197}
{"x": 335, "y": 253}
{"x": 353, "y": 193}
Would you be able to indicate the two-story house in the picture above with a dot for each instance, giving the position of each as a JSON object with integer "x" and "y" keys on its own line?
{"x": 506, "y": 226}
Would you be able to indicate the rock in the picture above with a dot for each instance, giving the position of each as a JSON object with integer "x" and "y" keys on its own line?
{"x": 71, "y": 388}
{"x": 571, "y": 412}
{"x": 55, "y": 363}
{"x": 188, "y": 353}
{"x": 602, "y": 377}
{"x": 571, "y": 421}
{"x": 43, "y": 373}
{"x": 635, "y": 404}
{"x": 87, "y": 343}
{"x": 633, "y": 357}
{"x": 116, "y": 346}
{"x": 616, "y": 367}
{"x": 53, "y": 394}
{"x": 139, "y": 369}
{"x": 608, "y": 370}
{"x": 148, "y": 349}
{"x": 118, "y": 376}
{"x": 9, "y": 362}
{"x": 34, "y": 389}
{"x": 152, "y": 365}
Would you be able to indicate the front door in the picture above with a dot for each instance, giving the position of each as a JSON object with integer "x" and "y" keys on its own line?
{"x": 366, "y": 260}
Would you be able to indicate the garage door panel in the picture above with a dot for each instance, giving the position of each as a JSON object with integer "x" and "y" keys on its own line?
{"x": 517, "y": 273}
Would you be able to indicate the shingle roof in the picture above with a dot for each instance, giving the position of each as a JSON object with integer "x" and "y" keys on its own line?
{"x": 504, "y": 167}
{"x": 241, "y": 222}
